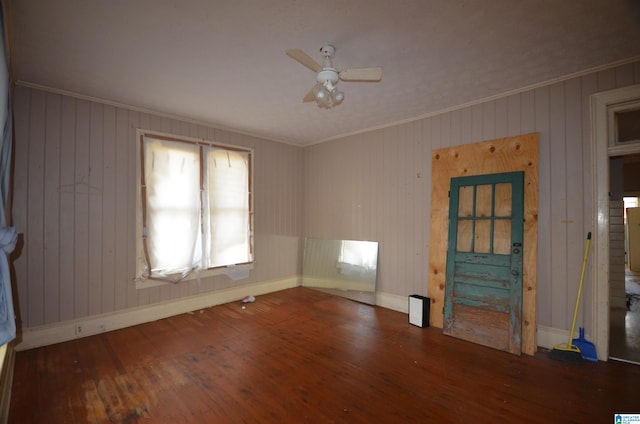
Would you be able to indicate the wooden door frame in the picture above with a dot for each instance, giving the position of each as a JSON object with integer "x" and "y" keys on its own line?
{"x": 601, "y": 132}
{"x": 519, "y": 153}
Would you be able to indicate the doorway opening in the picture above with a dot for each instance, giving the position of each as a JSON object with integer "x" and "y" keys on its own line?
{"x": 610, "y": 148}
{"x": 624, "y": 263}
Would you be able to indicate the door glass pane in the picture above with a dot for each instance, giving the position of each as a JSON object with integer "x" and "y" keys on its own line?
{"x": 465, "y": 201}
{"x": 465, "y": 235}
{"x": 503, "y": 199}
{"x": 483, "y": 200}
{"x": 483, "y": 236}
{"x": 502, "y": 236}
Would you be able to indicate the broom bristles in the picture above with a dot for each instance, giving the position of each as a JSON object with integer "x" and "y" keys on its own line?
{"x": 566, "y": 353}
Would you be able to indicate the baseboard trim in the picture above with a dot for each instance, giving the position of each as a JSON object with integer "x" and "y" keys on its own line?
{"x": 88, "y": 326}
{"x": 393, "y": 302}
{"x": 548, "y": 337}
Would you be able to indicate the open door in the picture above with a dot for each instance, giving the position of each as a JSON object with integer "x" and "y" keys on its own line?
{"x": 483, "y": 295}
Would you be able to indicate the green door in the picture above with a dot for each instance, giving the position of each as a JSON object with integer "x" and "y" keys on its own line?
{"x": 483, "y": 291}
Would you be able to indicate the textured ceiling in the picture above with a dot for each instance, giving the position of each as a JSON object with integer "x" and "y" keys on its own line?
{"x": 224, "y": 62}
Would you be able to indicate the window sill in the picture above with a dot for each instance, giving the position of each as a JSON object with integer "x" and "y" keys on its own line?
{"x": 235, "y": 272}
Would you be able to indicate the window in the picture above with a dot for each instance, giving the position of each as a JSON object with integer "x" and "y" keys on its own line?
{"x": 195, "y": 207}
{"x": 623, "y": 126}
{"x": 628, "y": 126}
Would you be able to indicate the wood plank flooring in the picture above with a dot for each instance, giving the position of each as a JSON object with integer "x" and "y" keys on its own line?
{"x": 304, "y": 356}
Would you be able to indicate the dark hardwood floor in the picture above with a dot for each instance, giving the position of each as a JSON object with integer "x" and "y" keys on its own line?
{"x": 303, "y": 356}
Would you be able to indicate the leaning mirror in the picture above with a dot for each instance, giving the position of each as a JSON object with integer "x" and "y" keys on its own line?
{"x": 347, "y": 268}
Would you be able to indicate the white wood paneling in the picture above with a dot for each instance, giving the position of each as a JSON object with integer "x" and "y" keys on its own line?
{"x": 74, "y": 206}
{"x": 559, "y": 112}
{"x": 542, "y": 124}
{"x": 52, "y": 238}
{"x": 557, "y": 198}
{"x": 123, "y": 289}
{"x": 514, "y": 115}
{"x": 575, "y": 225}
{"x": 109, "y": 223}
{"x": 19, "y": 202}
{"x": 74, "y": 197}
{"x": 35, "y": 200}
{"x": 95, "y": 199}
{"x": 81, "y": 188}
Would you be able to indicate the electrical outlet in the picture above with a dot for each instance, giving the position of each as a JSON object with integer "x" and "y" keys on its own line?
{"x": 101, "y": 329}
{"x": 78, "y": 329}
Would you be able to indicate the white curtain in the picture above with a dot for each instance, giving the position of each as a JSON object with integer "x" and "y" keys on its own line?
{"x": 196, "y": 207}
{"x": 172, "y": 174}
{"x": 227, "y": 207}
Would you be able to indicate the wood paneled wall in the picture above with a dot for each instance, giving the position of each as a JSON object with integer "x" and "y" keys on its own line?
{"x": 74, "y": 206}
{"x": 376, "y": 185}
{"x": 74, "y": 196}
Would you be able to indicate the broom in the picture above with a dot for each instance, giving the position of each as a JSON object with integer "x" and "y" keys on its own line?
{"x": 569, "y": 352}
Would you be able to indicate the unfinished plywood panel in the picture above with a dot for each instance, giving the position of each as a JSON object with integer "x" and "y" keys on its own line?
{"x": 509, "y": 154}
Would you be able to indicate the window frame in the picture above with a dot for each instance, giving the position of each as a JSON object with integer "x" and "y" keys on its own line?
{"x": 234, "y": 271}
{"x": 616, "y": 147}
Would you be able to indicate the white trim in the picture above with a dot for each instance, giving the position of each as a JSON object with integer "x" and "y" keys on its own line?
{"x": 89, "y": 326}
{"x": 600, "y": 102}
{"x": 141, "y": 132}
{"x": 393, "y": 301}
{"x": 549, "y": 337}
{"x": 61, "y": 332}
{"x": 630, "y": 149}
{"x": 235, "y": 271}
{"x": 633, "y": 105}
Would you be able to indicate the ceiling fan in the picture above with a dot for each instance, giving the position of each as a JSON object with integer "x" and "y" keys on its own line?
{"x": 325, "y": 93}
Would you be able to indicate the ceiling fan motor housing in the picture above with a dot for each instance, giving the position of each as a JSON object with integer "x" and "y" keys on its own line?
{"x": 325, "y": 75}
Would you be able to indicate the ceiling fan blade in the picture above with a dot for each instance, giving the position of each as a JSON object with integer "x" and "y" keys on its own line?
{"x": 304, "y": 59}
{"x": 310, "y": 96}
{"x": 361, "y": 74}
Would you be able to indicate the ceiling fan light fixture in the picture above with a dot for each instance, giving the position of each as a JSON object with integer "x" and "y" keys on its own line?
{"x": 337, "y": 96}
{"x": 325, "y": 92}
{"x": 321, "y": 94}
{"x": 327, "y": 95}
